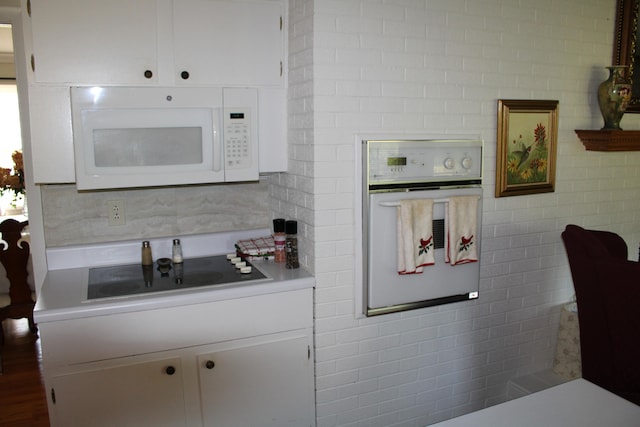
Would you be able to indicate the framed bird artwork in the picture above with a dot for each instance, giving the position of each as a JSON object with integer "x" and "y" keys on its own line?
{"x": 526, "y": 151}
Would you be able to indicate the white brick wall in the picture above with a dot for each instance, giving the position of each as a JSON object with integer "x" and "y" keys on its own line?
{"x": 433, "y": 67}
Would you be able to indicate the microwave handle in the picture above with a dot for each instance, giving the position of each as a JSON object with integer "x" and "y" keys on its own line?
{"x": 217, "y": 152}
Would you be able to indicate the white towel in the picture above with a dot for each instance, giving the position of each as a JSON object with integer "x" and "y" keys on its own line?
{"x": 462, "y": 226}
{"x": 415, "y": 235}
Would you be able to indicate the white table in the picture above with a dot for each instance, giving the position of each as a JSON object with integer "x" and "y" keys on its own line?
{"x": 576, "y": 403}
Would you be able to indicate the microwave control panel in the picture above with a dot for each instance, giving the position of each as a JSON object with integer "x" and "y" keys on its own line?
{"x": 237, "y": 138}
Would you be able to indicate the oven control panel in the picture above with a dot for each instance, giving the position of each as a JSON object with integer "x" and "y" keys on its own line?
{"x": 403, "y": 161}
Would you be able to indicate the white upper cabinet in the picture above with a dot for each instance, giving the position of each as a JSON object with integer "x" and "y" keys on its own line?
{"x": 94, "y": 41}
{"x": 237, "y": 42}
{"x": 158, "y": 42}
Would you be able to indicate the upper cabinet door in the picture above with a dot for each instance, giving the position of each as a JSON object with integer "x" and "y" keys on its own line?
{"x": 228, "y": 42}
{"x": 95, "y": 41}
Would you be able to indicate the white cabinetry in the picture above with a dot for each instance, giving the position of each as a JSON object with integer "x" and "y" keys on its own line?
{"x": 241, "y": 362}
{"x": 235, "y": 42}
{"x": 257, "y": 383}
{"x": 121, "y": 393}
{"x": 51, "y": 137}
{"x": 223, "y": 43}
{"x": 195, "y": 42}
{"x": 94, "y": 42}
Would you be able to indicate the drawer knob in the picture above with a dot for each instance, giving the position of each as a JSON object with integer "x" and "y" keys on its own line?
{"x": 148, "y": 74}
{"x": 170, "y": 370}
{"x": 184, "y": 75}
{"x": 210, "y": 364}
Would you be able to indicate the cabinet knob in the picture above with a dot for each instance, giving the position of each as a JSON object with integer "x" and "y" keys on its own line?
{"x": 170, "y": 370}
{"x": 210, "y": 364}
{"x": 184, "y": 75}
{"x": 148, "y": 74}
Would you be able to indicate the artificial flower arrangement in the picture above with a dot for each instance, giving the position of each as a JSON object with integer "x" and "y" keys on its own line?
{"x": 13, "y": 181}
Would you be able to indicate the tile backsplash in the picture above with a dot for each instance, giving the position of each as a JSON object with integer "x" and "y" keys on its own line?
{"x": 72, "y": 217}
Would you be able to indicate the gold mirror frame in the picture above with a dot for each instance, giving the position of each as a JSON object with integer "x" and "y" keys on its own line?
{"x": 625, "y": 50}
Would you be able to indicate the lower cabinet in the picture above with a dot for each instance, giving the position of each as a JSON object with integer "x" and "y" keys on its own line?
{"x": 265, "y": 384}
{"x": 244, "y": 362}
{"x": 261, "y": 381}
{"x": 128, "y": 393}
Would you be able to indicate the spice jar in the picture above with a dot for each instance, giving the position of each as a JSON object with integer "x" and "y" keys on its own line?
{"x": 176, "y": 252}
{"x": 279, "y": 238}
{"x": 291, "y": 244}
{"x": 147, "y": 258}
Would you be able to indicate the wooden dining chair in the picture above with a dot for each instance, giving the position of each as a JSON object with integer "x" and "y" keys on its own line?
{"x": 14, "y": 256}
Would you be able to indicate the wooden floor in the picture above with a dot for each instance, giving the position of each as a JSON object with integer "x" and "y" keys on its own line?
{"x": 22, "y": 394}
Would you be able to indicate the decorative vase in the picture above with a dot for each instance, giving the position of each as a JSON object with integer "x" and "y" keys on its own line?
{"x": 613, "y": 96}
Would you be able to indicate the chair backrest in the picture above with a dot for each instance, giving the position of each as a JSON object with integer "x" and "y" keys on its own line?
{"x": 14, "y": 255}
{"x": 584, "y": 248}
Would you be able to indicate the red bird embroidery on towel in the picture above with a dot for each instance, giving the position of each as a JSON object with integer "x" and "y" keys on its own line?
{"x": 465, "y": 243}
{"x": 425, "y": 245}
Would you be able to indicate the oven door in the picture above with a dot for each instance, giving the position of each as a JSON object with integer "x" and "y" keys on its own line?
{"x": 388, "y": 291}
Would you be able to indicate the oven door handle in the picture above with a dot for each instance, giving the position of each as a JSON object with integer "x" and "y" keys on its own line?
{"x": 396, "y": 204}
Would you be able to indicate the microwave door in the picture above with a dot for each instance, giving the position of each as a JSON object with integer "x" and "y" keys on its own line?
{"x": 150, "y": 147}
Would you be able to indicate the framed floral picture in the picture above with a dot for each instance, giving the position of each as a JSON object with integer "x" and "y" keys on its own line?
{"x": 526, "y": 152}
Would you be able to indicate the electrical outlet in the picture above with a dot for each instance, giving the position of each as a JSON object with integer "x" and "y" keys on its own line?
{"x": 115, "y": 212}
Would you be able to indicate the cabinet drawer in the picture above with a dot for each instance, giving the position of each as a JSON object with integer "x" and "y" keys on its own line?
{"x": 69, "y": 342}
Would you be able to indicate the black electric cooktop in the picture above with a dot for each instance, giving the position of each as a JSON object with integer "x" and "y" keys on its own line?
{"x": 133, "y": 279}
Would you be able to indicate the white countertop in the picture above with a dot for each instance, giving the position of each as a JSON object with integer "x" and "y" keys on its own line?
{"x": 64, "y": 292}
{"x": 577, "y": 403}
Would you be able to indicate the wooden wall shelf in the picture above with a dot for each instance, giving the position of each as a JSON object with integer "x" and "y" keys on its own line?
{"x": 610, "y": 140}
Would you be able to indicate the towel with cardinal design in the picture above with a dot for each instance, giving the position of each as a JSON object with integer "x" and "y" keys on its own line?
{"x": 415, "y": 235}
{"x": 462, "y": 230}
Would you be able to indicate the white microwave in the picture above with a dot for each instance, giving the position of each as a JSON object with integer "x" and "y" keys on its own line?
{"x": 150, "y": 136}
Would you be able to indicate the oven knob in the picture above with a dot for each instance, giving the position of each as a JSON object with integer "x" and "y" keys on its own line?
{"x": 467, "y": 163}
{"x": 449, "y": 163}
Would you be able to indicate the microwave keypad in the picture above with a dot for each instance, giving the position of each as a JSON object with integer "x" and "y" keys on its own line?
{"x": 237, "y": 145}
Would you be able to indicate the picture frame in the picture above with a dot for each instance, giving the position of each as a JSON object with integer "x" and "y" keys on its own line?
{"x": 625, "y": 46}
{"x": 526, "y": 147}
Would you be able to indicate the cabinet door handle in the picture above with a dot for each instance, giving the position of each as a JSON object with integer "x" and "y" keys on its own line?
{"x": 184, "y": 75}
{"x": 170, "y": 370}
{"x": 148, "y": 74}
{"x": 210, "y": 364}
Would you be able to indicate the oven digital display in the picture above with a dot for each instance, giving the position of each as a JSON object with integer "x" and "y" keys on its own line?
{"x": 396, "y": 161}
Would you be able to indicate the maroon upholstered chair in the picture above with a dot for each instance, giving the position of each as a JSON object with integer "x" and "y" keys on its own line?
{"x": 607, "y": 289}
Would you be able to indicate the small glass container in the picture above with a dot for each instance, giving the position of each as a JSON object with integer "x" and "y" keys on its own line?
{"x": 279, "y": 238}
{"x": 176, "y": 252}
{"x": 291, "y": 244}
{"x": 147, "y": 258}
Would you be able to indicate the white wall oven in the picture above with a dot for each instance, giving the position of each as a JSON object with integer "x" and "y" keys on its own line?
{"x": 422, "y": 220}
{"x": 148, "y": 136}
